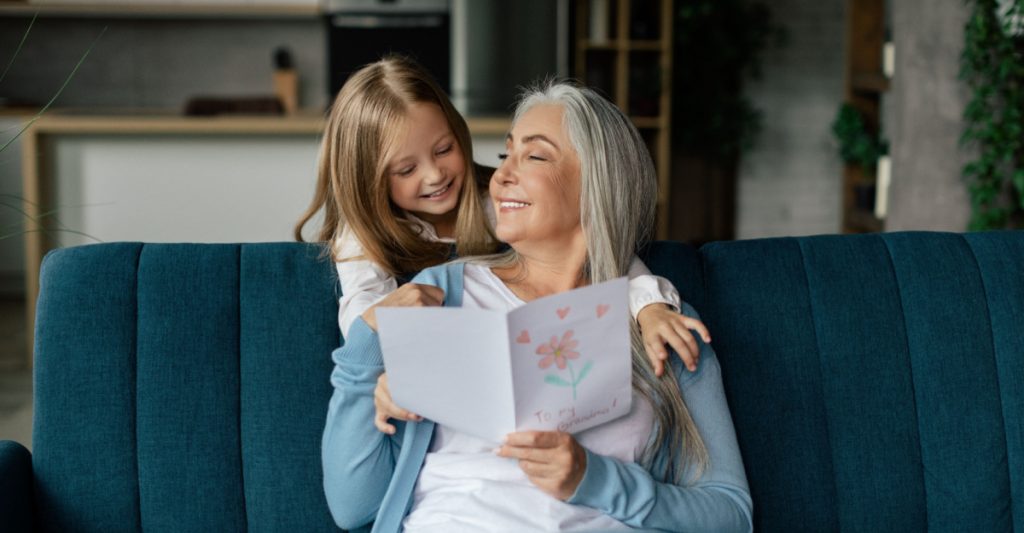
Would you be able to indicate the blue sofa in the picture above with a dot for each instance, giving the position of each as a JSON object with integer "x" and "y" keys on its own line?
{"x": 876, "y": 382}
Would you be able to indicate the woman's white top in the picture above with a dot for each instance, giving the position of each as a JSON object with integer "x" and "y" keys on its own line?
{"x": 364, "y": 283}
{"x": 464, "y": 486}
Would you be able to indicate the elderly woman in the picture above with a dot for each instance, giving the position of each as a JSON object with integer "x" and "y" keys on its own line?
{"x": 574, "y": 198}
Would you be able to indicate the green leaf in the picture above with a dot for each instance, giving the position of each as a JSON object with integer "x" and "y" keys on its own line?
{"x": 552, "y": 379}
{"x": 585, "y": 371}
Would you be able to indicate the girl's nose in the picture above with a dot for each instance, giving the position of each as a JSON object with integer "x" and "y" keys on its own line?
{"x": 435, "y": 175}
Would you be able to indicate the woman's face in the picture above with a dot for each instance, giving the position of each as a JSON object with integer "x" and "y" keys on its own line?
{"x": 536, "y": 189}
{"x": 426, "y": 169}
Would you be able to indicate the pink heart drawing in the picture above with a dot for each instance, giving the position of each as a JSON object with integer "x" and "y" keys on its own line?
{"x": 602, "y": 309}
{"x": 524, "y": 337}
{"x": 562, "y": 312}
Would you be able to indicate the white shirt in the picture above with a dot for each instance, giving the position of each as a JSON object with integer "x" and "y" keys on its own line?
{"x": 464, "y": 486}
{"x": 364, "y": 283}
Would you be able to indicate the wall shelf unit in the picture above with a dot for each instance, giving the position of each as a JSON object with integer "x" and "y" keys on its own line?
{"x": 864, "y": 83}
{"x": 623, "y": 49}
{"x": 126, "y": 9}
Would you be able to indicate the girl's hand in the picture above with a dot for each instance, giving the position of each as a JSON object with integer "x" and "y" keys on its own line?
{"x": 408, "y": 295}
{"x": 659, "y": 325}
{"x": 387, "y": 409}
{"x": 552, "y": 460}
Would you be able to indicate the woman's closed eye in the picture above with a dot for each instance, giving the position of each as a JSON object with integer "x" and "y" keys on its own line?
{"x": 534, "y": 157}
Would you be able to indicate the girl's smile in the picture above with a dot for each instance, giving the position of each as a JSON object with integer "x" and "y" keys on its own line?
{"x": 426, "y": 168}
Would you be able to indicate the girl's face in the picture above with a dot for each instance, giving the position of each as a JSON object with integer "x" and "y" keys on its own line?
{"x": 426, "y": 169}
{"x": 536, "y": 190}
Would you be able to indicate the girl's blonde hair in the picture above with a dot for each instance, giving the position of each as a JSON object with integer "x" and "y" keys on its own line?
{"x": 352, "y": 183}
{"x": 617, "y": 208}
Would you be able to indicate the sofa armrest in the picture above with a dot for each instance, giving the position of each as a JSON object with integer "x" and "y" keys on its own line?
{"x": 16, "y": 492}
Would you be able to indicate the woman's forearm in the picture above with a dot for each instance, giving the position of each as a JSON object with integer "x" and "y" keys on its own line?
{"x": 358, "y": 461}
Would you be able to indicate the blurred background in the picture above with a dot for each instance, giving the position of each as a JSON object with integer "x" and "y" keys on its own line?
{"x": 191, "y": 120}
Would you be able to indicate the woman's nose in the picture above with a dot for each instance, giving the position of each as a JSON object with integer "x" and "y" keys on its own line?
{"x": 504, "y": 173}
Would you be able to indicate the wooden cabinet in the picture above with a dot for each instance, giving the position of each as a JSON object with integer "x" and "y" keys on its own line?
{"x": 623, "y": 48}
{"x": 865, "y": 84}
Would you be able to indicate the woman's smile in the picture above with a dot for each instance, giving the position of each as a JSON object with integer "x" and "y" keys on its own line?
{"x": 507, "y": 206}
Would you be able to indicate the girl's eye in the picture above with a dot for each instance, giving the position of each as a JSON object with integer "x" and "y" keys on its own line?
{"x": 445, "y": 150}
{"x": 405, "y": 171}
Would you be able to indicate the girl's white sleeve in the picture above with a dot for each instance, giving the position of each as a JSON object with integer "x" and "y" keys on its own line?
{"x": 646, "y": 289}
{"x": 363, "y": 282}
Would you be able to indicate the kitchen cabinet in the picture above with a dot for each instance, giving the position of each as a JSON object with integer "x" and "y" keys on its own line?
{"x": 175, "y": 179}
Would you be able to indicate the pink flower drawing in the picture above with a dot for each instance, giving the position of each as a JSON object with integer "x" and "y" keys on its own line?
{"x": 558, "y": 351}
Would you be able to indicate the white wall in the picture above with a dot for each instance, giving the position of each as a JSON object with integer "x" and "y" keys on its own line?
{"x": 183, "y": 189}
{"x": 790, "y": 183}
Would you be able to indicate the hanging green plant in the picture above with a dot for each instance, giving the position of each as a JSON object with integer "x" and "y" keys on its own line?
{"x": 857, "y": 146}
{"x": 992, "y": 64}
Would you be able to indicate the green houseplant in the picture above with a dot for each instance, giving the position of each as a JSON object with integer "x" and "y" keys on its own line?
{"x": 992, "y": 64}
{"x": 856, "y": 144}
{"x": 20, "y": 206}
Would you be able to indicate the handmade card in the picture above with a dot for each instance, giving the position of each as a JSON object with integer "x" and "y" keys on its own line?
{"x": 557, "y": 363}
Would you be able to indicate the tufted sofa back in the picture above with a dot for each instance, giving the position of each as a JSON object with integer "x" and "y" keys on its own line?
{"x": 876, "y": 382}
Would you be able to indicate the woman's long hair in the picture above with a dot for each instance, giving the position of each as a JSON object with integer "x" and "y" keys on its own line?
{"x": 617, "y": 207}
{"x": 352, "y": 183}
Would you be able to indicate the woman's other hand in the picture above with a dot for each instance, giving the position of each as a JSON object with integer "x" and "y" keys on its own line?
{"x": 660, "y": 325}
{"x": 552, "y": 460}
{"x": 408, "y": 295}
{"x": 386, "y": 409}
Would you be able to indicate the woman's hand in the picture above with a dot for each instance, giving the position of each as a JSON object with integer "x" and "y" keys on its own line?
{"x": 408, "y": 295}
{"x": 552, "y": 460}
{"x": 386, "y": 409}
{"x": 659, "y": 325}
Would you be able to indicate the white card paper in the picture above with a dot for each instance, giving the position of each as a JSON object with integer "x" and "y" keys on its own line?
{"x": 557, "y": 363}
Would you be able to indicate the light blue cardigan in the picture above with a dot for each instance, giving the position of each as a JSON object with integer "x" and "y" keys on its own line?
{"x": 369, "y": 476}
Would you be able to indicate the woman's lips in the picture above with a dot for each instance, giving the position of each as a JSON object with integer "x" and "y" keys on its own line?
{"x": 511, "y": 205}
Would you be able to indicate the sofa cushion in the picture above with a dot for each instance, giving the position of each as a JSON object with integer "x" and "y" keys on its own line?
{"x": 875, "y": 381}
{"x": 183, "y": 387}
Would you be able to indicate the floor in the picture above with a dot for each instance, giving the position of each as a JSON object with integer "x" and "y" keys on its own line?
{"x": 15, "y": 377}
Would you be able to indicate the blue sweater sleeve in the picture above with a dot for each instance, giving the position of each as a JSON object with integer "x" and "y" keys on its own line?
{"x": 718, "y": 501}
{"x": 358, "y": 460}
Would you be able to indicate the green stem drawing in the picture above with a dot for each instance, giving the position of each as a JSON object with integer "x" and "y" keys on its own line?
{"x": 572, "y": 376}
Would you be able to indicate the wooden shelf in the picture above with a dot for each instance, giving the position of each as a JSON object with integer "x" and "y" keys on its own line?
{"x": 614, "y": 46}
{"x": 863, "y": 222}
{"x": 870, "y": 82}
{"x": 864, "y": 86}
{"x": 636, "y": 74}
{"x": 160, "y": 10}
{"x": 648, "y": 123}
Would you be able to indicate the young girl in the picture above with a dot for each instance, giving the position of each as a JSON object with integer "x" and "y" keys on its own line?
{"x": 398, "y": 187}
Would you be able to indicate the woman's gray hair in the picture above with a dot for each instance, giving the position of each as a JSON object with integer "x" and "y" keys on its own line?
{"x": 618, "y": 198}
{"x": 618, "y": 183}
